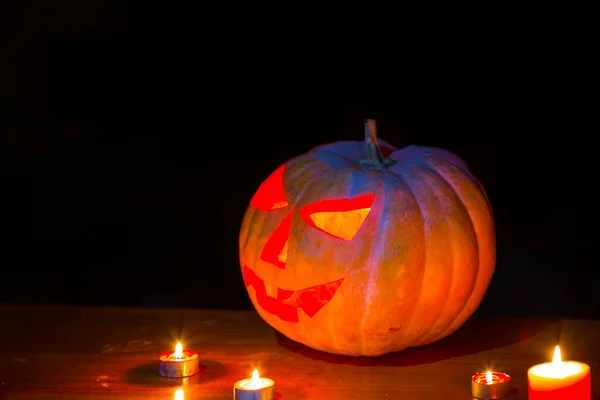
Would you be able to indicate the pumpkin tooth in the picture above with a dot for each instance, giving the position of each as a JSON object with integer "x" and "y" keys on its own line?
{"x": 271, "y": 290}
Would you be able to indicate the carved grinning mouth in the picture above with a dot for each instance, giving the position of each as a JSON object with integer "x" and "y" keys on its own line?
{"x": 287, "y": 303}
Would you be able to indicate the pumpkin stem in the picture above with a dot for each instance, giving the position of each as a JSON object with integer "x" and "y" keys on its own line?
{"x": 375, "y": 158}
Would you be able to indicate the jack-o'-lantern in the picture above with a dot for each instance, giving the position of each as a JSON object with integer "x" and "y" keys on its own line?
{"x": 358, "y": 248}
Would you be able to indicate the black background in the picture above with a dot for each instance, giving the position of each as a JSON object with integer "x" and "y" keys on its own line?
{"x": 134, "y": 138}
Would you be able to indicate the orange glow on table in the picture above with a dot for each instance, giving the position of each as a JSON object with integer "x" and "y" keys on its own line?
{"x": 559, "y": 380}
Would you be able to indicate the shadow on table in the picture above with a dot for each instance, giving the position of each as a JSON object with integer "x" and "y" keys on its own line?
{"x": 148, "y": 375}
{"x": 476, "y": 335}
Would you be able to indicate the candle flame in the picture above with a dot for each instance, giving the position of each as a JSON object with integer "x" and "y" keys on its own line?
{"x": 557, "y": 368}
{"x": 557, "y": 358}
{"x": 488, "y": 378}
{"x": 178, "y": 394}
{"x": 255, "y": 377}
{"x": 178, "y": 350}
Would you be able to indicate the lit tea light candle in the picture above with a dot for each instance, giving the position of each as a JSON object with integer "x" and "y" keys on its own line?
{"x": 178, "y": 394}
{"x": 179, "y": 363}
{"x": 255, "y": 388}
{"x": 490, "y": 385}
{"x": 559, "y": 380}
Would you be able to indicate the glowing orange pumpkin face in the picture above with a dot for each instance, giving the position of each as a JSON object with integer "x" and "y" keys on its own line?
{"x": 366, "y": 258}
{"x": 341, "y": 219}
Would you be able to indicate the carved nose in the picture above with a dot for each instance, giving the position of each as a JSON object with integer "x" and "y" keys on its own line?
{"x": 283, "y": 253}
{"x": 276, "y": 248}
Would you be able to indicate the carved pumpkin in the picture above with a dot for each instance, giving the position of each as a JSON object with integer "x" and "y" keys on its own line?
{"x": 358, "y": 248}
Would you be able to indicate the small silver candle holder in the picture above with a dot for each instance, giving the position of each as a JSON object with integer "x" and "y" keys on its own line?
{"x": 183, "y": 366}
{"x": 255, "y": 388}
{"x": 490, "y": 385}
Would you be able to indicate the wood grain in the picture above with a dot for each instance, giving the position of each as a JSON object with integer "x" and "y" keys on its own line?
{"x": 102, "y": 353}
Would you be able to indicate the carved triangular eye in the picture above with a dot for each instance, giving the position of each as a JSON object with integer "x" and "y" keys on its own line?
{"x": 340, "y": 218}
{"x": 270, "y": 194}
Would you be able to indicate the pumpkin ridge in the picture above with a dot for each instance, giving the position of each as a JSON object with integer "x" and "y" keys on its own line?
{"x": 420, "y": 290}
{"x": 427, "y": 332}
{"x": 334, "y": 149}
{"x": 330, "y": 322}
{"x": 477, "y": 241}
{"x": 261, "y": 225}
{"x": 474, "y": 232}
{"x": 476, "y": 182}
{"x": 369, "y": 283}
{"x": 386, "y": 175}
{"x": 336, "y": 154}
{"x": 250, "y": 214}
{"x": 253, "y": 214}
{"x": 294, "y": 204}
{"x": 463, "y": 167}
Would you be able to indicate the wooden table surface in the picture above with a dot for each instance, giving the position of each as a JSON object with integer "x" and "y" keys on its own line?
{"x": 103, "y": 353}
